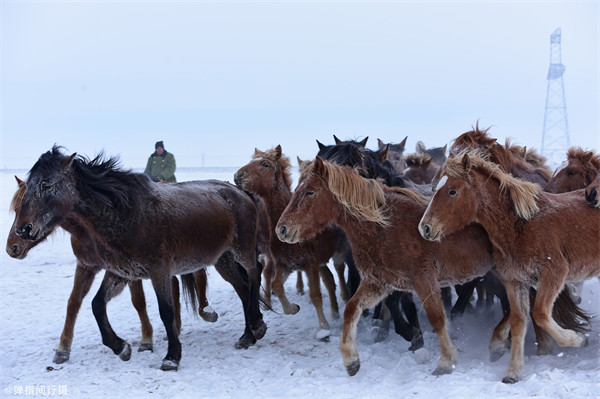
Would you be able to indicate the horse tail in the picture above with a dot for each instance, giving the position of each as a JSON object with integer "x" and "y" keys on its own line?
{"x": 190, "y": 291}
{"x": 568, "y": 315}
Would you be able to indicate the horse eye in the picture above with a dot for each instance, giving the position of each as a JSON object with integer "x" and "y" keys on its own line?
{"x": 47, "y": 186}
{"x": 452, "y": 192}
{"x": 570, "y": 173}
{"x": 310, "y": 193}
{"x": 265, "y": 164}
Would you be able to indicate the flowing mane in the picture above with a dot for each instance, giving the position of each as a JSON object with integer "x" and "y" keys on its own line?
{"x": 361, "y": 197}
{"x": 584, "y": 157}
{"x": 101, "y": 178}
{"x": 283, "y": 161}
{"x": 522, "y": 193}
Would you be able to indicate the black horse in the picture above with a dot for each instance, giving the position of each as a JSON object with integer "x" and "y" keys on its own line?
{"x": 143, "y": 230}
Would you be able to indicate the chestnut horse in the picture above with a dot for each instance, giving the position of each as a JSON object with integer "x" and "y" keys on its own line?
{"x": 420, "y": 168}
{"x": 268, "y": 177}
{"x": 532, "y": 240}
{"x": 381, "y": 224}
{"x": 592, "y": 192}
{"x": 139, "y": 229}
{"x": 579, "y": 172}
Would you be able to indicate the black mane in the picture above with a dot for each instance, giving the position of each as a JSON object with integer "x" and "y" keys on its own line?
{"x": 101, "y": 178}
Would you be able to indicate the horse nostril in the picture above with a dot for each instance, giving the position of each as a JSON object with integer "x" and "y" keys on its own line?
{"x": 427, "y": 229}
{"x": 15, "y": 249}
{"x": 591, "y": 196}
{"x": 282, "y": 231}
{"x": 24, "y": 231}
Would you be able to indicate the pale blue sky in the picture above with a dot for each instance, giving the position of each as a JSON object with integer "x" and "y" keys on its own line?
{"x": 216, "y": 79}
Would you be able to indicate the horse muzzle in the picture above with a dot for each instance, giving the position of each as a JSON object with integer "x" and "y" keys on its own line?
{"x": 591, "y": 197}
{"x": 239, "y": 178}
{"x": 287, "y": 234}
{"x": 428, "y": 232}
{"x": 16, "y": 251}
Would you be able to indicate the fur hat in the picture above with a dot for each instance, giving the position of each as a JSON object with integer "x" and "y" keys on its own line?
{"x": 159, "y": 144}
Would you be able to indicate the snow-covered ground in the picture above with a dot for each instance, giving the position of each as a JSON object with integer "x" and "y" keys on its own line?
{"x": 289, "y": 362}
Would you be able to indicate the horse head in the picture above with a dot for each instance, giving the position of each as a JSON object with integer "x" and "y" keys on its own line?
{"x": 48, "y": 197}
{"x": 579, "y": 172}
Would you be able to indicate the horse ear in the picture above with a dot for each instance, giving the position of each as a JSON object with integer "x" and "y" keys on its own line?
{"x": 364, "y": 142}
{"x": 383, "y": 153}
{"x": 403, "y": 143}
{"x": 19, "y": 181}
{"x": 444, "y": 149}
{"x": 321, "y": 145}
{"x": 337, "y": 141}
{"x": 69, "y": 160}
{"x": 278, "y": 152}
{"x": 420, "y": 147}
{"x": 319, "y": 167}
{"x": 380, "y": 144}
{"x": 466, "y": 162}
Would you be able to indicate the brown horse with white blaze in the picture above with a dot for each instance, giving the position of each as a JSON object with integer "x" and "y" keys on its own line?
{"x": 536, "y": 239}
{"x": 381, "y": 225}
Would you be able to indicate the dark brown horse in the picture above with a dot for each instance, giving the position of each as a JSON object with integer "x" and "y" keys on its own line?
{"x": 18, "y": 248}
{"x": 394, "y": 153}
{"x": 268, "y": 177}
{"x": 420, "y": 168}
{"x": 137, "y": 229}
{"x": 381, "y": 224}
{"x": 532, "y": 238}
{"x": 579, "y": 172}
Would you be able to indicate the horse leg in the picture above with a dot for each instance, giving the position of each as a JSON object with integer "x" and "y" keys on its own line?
{"x": 268, "y": 274}
{"x": 163, "y": 286}
{"x": 381, "y": 319}
{"x": 176, "y": 302}
{"x": 407, "y": 330}
{"x": 314, "y": 291}
{"x": 353, "y": 275}
{"x": 138, "y": 299}
{"x": 428, "y": 290}
{"x": 500, "y": 342}
{"x": 84, "y": 277}
{"x": 299, "y": 283}
{"x": 329, "y": 282}
{"x": 518, "y": 297}
{"x": 464, "y": 291}
{"x": 281, "y": 274}
{"x": 447, "y": 298}
{"x": 410, "y": 310}
{"x": 550, "y": 284}
{"x": 367, "y": 295}
{"x": 206, "y": 312}
{"x": 340, "y": 267}
{"x": 111, "y": 286}
{"x": 545, "y": 344}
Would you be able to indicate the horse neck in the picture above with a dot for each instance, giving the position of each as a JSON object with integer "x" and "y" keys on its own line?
{"x": 276, "y": 200}
{"x": 496, "y": 215}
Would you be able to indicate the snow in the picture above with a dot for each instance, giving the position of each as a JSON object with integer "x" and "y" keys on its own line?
{"x": 289, "y": 362}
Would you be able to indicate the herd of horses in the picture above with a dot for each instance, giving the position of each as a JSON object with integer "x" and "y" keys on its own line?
{"x": 489, "y": 217}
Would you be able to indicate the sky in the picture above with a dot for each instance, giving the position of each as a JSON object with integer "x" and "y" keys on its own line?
{"x": 214, "y": 80}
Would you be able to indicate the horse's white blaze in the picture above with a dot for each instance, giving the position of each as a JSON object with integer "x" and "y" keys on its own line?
{"x": 441, "y": 183}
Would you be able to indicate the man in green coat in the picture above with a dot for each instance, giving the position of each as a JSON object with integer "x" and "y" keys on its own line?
{"x": 161, "y": 165}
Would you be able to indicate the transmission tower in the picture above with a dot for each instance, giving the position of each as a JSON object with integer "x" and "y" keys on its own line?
{"x": 555, "y": 136}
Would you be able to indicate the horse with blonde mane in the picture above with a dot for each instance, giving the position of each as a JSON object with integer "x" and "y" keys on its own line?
{"x": 381, "y": 225}
{"x": 532, "y": 241}
{"x": 580, "y": 170}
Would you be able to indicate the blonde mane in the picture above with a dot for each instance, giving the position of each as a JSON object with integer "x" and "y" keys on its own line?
{"x": 275, "y": 155}
{"x": 362, "y": 198}
{"x": 522, "y": 193}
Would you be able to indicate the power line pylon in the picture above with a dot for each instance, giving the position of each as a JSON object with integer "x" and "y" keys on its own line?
{"x": 555, "y": 136}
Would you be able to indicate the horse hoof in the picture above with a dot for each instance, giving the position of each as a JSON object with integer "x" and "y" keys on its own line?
{"x": 585, "y": 342}
{"x": 509, "y": 380}
{"x": 442, "y": 370}
{"x": 323, "y": 335}
{"x": 353, "y": 368}
{"x": 260, "y": 331}
{"x": 245, "y": 342}
{"x": 416, "y": 343}
{"x": 293, "y": 309}
{"x": 61, "y": 356}
{"x": 125, "y": 354}
{"x": 147, "y": 346}
{"x": 208, "y": 314}
{"x": 169, "y": 365}
{"x": 497, "y": 353}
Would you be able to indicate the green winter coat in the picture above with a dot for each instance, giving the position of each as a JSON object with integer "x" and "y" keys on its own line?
{"x": 161, "y": 167}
